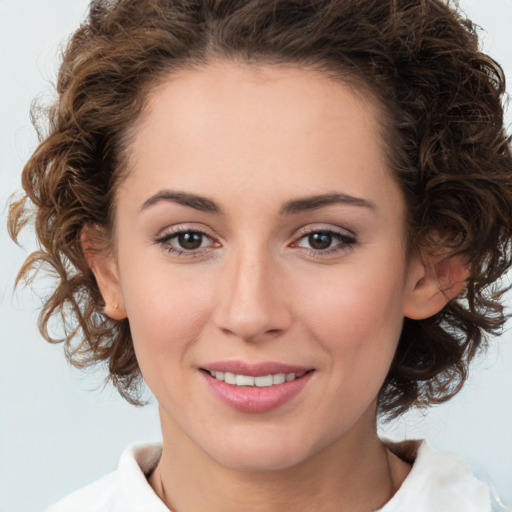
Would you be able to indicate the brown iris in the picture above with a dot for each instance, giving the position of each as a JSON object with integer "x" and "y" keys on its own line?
{"x": 190, "y": 240}
{"x": 320, "y": 241}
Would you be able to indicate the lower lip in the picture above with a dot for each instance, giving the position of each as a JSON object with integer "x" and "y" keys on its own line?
{"x": 255, "y": 399}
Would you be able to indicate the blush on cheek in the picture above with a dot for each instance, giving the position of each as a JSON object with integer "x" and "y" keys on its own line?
{"x": 361, "y": 329}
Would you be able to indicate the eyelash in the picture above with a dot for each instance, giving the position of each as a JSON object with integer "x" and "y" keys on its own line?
{"x": 166, "y": 239}
{"x": 345, "y": 241}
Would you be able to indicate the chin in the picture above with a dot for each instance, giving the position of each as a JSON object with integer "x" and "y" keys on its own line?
{"x": 261, "y": 461}
{"x": 267, "y": 454}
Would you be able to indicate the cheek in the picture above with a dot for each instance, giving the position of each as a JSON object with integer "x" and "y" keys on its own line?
{"x": 358, "y": 329}
{"x": 357, "y": 318}
{"x": 167, "y": 310}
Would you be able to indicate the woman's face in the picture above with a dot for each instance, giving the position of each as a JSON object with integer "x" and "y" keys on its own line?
{"x": 260, "y": 239}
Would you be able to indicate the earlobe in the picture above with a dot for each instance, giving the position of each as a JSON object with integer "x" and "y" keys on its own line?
{"x": 433, "y": 282}
{"x": 104, "y": 267}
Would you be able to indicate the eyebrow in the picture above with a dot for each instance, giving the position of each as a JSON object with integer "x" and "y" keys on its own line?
{"x": 200, "y": 203}
{"x": 320, "y": 201}
{"x": 291, "y": 207}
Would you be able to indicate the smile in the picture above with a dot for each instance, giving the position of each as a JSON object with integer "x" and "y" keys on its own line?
{"x": 267, "y": 387}
{"x": 263, "y": 381}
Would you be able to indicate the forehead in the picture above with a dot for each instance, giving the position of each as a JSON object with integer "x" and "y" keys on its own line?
{"x": 251, "y": 96}
{"x": 262, "y": 131}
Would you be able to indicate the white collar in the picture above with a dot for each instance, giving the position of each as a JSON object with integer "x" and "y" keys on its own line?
{"x": 439, "y": 481}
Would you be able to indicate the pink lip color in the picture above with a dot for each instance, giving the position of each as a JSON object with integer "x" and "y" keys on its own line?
{"x": 255, "y": 399}
{"x": 254, "y": 370}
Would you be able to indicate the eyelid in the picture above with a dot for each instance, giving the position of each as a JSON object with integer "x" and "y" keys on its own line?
{"x": 164, "y": 237}
{"x": 324, "y": 228}
{"x": 185, "y": 227}
{"x": 347, "y": 239}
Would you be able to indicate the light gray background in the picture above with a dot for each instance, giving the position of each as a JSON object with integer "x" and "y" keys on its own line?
{"x": 56, "y": 432}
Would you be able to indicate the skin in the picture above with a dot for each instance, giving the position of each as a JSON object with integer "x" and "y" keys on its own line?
{"x": 252, "y": 139}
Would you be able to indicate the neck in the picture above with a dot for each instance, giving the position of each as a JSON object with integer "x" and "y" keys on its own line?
{"x": 355, "y": 473}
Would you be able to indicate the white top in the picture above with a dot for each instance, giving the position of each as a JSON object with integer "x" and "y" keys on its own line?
{"x": 438, "y": 482}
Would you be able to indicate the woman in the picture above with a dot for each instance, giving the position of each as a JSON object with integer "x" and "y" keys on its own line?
{"x": 286, "y": 217}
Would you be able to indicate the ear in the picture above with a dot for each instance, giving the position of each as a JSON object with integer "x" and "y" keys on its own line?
{"x": 432, "y": 283}
{"x": 104, "y": 267}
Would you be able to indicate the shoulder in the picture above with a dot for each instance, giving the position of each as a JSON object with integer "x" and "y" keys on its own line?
{"x": 123, "y": 490}
{"x": 440, "y": 481}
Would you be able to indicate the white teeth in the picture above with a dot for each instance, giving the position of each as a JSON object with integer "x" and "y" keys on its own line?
{"x": 279, "y": 378}
{"x": 229, "y": 378}
{"x": 263, "y": 381}
{"x": 244, "y": 380}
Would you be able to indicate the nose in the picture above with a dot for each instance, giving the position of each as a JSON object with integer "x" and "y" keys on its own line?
{"x": 252, "y": 303}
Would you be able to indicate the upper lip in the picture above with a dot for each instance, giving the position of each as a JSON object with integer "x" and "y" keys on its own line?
{"x": 254, "y": 369}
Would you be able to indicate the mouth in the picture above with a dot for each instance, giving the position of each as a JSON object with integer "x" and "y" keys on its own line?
{"x": 255, "y": 388}
{"x": 262, "y": 381}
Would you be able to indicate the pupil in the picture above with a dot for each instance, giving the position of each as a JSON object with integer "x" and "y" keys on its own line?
{"x": 320, "y": 240}
{"x": 190, "y": 240}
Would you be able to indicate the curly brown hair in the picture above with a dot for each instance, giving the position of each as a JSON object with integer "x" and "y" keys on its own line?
{"x": 443, "y": 132}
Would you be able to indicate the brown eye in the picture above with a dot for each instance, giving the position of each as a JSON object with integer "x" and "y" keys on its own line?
{"x": 187, "y": 242}
{"x": 325, "y": 243}
{"x": 320, "y": 241}
{"x": 190, "y": 240}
